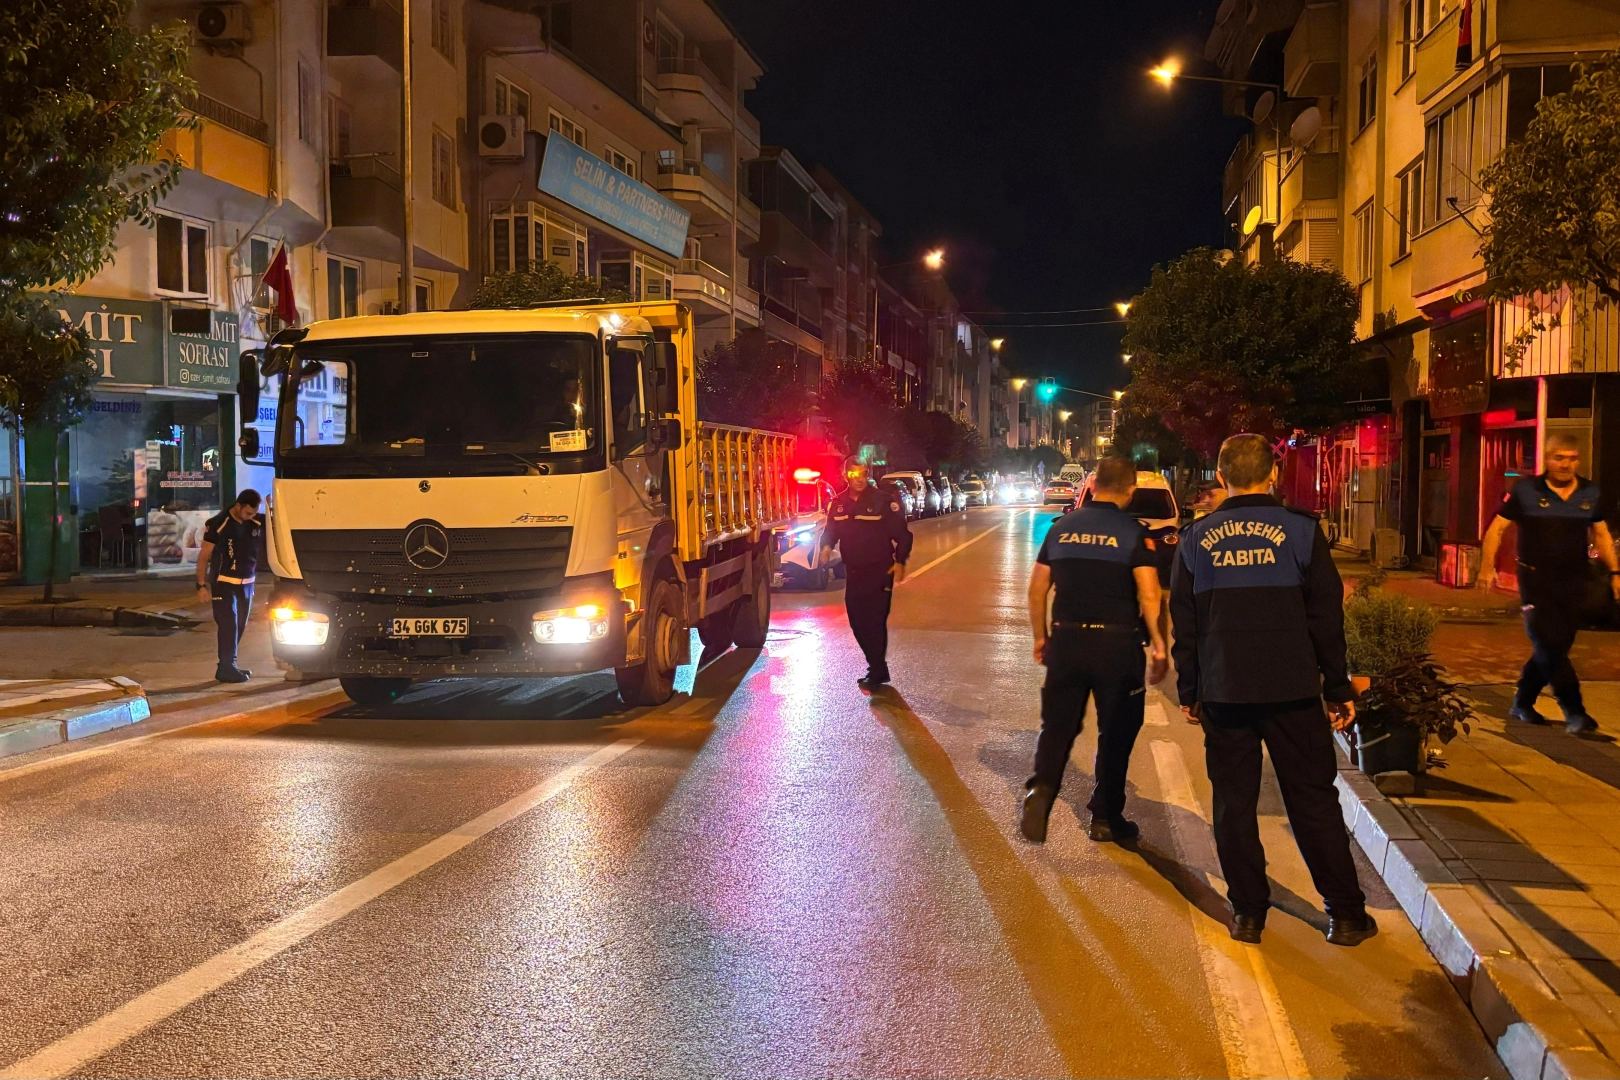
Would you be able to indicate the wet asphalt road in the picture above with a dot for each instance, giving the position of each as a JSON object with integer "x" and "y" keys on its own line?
{"x": 773, "y": 875}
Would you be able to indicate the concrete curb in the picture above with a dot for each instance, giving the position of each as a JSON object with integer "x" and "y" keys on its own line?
{"x": 1537, "y": 1036}
{"x": 21, "y": 735}
{"x": 73, "y": 615}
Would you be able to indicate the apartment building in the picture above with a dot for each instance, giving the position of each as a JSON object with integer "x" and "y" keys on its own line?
{"x": 1387, "y": 113}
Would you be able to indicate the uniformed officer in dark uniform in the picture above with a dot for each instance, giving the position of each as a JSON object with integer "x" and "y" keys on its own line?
{"x": 870, "y": 530}
{"x": 226, "y": 566}
{"x": 1101, "y": 563}
{"x": 1258, "y": 611}
{"x": 1557, "y": 514}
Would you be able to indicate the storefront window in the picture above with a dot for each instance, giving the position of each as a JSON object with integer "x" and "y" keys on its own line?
{"x": 145, "y": 477}
{"x": 9, "y": 548}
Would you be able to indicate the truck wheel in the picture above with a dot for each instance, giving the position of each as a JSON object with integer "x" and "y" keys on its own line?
{"x": 373, "y": 691}
{"x": 823, "y": 579}
{"x": 715, "y": 630}
{"x": 839, "y": 570}
{"x": 652, "y": 681}
{"x": 754, "y": 616}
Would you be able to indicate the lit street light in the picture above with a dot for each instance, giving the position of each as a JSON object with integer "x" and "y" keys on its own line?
{"x": 997, "y": 343}
{"x": 1122, "y": 306}
{"x": 1118, "y": 394}
{"x": 1167, "y": 72}
{"x": 1064, "y": 414}
{"x": 1017, "y": 384}
{"x": 934, "y": 259}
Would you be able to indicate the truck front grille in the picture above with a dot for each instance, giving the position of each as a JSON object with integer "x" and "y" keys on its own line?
{"x": 371, "y": 562}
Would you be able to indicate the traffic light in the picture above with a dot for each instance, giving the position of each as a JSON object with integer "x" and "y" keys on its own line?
{"x": 1047, "y": 390}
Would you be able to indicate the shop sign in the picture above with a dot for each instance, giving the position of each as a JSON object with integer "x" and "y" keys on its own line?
{"x": 206, "y": 361}
{"x": 1459, "y": 368}
{"x": 126, "y": 336}
{"x": 586, "y": 182}
{"x": 1370, "y": 407}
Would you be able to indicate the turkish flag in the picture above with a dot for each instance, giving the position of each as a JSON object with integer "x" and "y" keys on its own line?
{"x": 278, "y": 276}
{"x": 1465, "y": 35}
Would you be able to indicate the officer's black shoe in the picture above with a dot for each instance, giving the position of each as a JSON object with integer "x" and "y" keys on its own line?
{"x": 872, "y": 680}
{"x": 1350, "y": 929}
{"x": 1114, "y": 830}
{"x": 1526, "y": 714}
{"x": 1037, "y": 808}
{"x": 232, "y": 675}
{"x": 1246, "y": 928}
{"x": 1580, "y": 724}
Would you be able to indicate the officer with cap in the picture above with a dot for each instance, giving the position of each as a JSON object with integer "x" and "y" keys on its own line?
{"x": 1557, "y": 514}
{"x": 1258, "y": 610}
{"x": 870, "y": 530}
{"x": 1101, "y": 563}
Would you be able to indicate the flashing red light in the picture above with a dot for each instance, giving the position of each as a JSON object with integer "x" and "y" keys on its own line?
{"x": 1499, "y": 417}
{"x": 806, "y": 476}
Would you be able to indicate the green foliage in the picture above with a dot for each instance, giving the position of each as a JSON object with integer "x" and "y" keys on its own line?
{"x": 746, "y": 382}
{"x": 1383, "y": 630}
{"x": 936, "y": 440}
{"x": 1555, "y": 195}
{"x": 542, "y": 284}
{"x": 858, "y": 403}
{"x": 84, "y": 99}
{"x": 1416, "y": 691}
{"x": 1219, "y": 347}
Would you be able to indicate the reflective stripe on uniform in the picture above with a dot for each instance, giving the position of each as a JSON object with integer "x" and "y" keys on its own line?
{"x": 234, "y": 580}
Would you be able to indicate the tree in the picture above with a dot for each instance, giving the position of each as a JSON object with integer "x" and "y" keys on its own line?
{"x": 1220, "y": 347}
{"x": 1555, "y": 194}
{"x": 858, "y": 403}
{"x": 542, "y": 284}
{"x": 745, "y": 382}
{"x": 85, "y": 99}
{"x": 942, "y": 442}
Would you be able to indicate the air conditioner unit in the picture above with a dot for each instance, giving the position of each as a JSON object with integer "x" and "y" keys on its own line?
{"x": 501, "y": 136}
{"x": 222, "y": 24}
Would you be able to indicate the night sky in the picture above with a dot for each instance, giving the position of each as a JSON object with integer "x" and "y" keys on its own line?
{"x": 1025, "y": 138}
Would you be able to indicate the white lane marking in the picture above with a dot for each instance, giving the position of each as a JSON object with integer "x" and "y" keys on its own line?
{"x": 73, "y": 1051}
{"x": 927, "y": 566}
{"x": 690, "y": 705}
{"x": 1153, "y": 715}
{"x": 1256, "y": 1034}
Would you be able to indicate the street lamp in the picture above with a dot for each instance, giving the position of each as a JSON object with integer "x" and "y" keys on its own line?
{"x": 1122, "y": 306}
{"x": 1118, "y": 394}
{"x": 1126, "y": 357}
{"x": 934, "y": 259}
{"x": 1169, "y": 71}
{"x": 997, "y": 343}
{"x": 1064, "y": 414}
{"x": 1017, "y": 384}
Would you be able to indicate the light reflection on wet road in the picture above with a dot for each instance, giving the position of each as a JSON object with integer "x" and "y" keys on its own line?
{"x": 781, "y": 877}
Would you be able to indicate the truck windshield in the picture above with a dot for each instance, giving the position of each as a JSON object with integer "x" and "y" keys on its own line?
{"x": 474, "y": 396}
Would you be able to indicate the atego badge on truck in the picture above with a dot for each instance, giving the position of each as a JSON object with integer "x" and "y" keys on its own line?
{"x": 511, "y": 493}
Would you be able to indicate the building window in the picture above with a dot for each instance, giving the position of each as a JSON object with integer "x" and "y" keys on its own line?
{"x": 565, "y": 127}
{"x": 1411, "y": 16}
{"x": 308, "y": 102}
{"x": 510, "y": 239}
{"x": 511, "y": 101}
{"x": 1409, "y": 215}
{"x": 1526, "y": 87}
{"x": 182, "y": 256}
{"x": 444, "y": 37}
{"x": 342, "y": 289}
{"x": 444, "y": 169}
{"x": 1457, "y": 145}
{"x": 1367, "y": 94}
{"x": 1364, "y": 243}
{"x": 424, "y": 295}
{"x": 669, "y": 49}
{"x": 619, "y": 161}
{"x": 340, "y": 144}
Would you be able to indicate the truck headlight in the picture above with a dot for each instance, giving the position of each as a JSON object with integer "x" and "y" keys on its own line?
{"x": 571, "y": 626}
{"x": 290, "y": 626}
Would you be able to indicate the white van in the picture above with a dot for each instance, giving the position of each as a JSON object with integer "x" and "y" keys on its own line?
{"x": 1072, "y": 474}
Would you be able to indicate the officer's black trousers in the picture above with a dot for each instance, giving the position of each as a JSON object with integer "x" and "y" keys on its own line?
{"x": 1300, "y": 740}
{"x": 1107, "y": 665}
{"x": 867, "y": 593}
{"x": 1551, "y": 617}
{"x": 231, "y": 606}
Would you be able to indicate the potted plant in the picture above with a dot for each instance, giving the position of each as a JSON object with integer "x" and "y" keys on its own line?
{"x": 1387, "y": 644}
{"x": 1405, "y": 705}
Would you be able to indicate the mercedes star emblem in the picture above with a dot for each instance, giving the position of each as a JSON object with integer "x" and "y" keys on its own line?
{"x": 426, "y": 546}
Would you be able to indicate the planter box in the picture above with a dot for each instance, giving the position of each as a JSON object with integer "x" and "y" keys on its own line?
{"x": 1387, "y": 746}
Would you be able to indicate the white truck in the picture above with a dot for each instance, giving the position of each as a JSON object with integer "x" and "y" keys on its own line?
{"x": 511, "y": 493}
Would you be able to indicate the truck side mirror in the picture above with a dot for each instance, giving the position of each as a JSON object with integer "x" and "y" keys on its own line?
{"x": 661, "y": 362}
{"x": 247, "y": 397}
{"x": 664, "y": 434}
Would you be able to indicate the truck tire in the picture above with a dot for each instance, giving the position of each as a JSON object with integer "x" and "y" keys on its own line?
{"x": 652, "y": 682}
{"x": 716, "y": 630}
{"x": 753, "y": 620}
{"x": 839, "y": 570}
{"x": 366, "y": 690}
{"x": 822, "y": 580}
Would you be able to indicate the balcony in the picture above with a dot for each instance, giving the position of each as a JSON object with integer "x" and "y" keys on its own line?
{"x": 368, "y": 207}
{"x": 224, "y": 145}
{"x": 692, "y": 93}
{"x": 366, "y": 28}
{"x": 703, "y": 286}
{"x": 1445, "y": 260}
{"x": 1549, "y": 26}
{"x": 1311, "y": 57}
{"x": 699, "y": 189}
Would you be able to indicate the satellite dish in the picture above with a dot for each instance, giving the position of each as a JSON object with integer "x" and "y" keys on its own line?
{"x": 1306, "y": 126}
{"x": 1263, "y": 106}
{"x": 1252, "y": 221}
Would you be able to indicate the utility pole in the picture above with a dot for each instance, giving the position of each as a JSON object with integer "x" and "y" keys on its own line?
{"x": 407, "y": 262}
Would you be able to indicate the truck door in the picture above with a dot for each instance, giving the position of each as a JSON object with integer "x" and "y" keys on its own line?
{"x": 638, "y": 472}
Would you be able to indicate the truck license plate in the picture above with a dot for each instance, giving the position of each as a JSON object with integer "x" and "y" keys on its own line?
{"x": 429, "y": 628}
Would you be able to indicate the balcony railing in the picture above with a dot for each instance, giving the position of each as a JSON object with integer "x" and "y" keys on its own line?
{"x": 691, "y": 65}
{"x": 220, "y": 113}
{"x": 708, "y": 270}
{"x": 368, "y": 166}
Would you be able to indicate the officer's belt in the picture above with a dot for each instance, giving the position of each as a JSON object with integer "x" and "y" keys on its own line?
{"x": 1123, "y": 628}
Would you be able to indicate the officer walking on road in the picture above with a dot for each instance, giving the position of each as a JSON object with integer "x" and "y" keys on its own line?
{"x": 870, "y": 531}
{"x": 1557, "y": 513}
{"x": 226, "y": 566}
{"x": 1101, "y": 563}
{"x": 1258, "y": 611}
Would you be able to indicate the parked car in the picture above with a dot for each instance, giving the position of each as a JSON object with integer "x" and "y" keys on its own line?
{"x": 1060, "y": 492}
{"x": 947, "y": 500}
{"x": 974, "y": 493}
{"x": 918, "y": 489}
{"x": 901, "y": 494}
{"x": 958, "y": 497}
